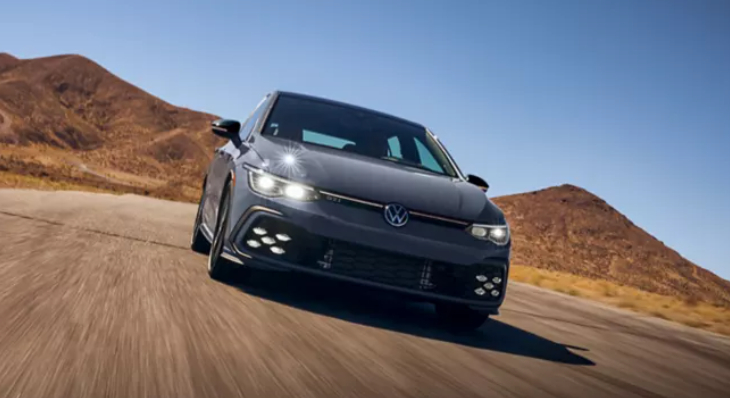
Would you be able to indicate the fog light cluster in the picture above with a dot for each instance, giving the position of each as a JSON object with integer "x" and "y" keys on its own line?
{"x": 265, "y": 239}
{"x": 487, "y": 286}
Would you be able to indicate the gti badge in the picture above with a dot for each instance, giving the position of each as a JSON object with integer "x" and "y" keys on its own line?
{"x": 396, "y": 215}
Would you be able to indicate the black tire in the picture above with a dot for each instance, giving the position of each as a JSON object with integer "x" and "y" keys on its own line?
{"x": 460, "y": 317}
{"x": 198, "y": 242}
{"x": 219, "y": 268}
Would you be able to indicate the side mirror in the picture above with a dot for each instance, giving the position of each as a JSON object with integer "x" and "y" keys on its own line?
{"x": 226, "y": 128}
{"x": 478, "y": 181}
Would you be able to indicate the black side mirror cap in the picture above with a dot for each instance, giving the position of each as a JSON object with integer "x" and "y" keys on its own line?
{"x": 478, "y": 181}
{"x": 226, "y": 128}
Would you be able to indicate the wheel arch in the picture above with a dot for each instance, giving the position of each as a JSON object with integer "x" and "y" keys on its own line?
{"x": 229, "y": 185}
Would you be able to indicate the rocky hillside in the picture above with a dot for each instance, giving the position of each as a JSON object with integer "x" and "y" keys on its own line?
{"x": 69, "y": 105}
{"x": 569, "y": 229}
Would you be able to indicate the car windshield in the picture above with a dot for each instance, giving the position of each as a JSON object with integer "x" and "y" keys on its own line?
{"x": 357, "y": 131}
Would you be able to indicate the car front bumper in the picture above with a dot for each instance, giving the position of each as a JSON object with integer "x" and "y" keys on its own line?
{"x": 347, "y": 247}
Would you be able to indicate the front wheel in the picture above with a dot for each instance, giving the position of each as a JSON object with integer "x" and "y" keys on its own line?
{"x": 198, "y": 242}
{"x": 460, "y": 317}
{"x": 220, "y": 268}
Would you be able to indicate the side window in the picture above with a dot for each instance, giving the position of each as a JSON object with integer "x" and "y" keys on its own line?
{"x": 427, "y": 158}
{"x": 394, "y": 148}
{"x": 253, "y": 118}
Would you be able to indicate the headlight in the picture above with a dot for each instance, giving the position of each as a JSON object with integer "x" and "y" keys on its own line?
{"x": 273, "y": 186}
{"x": 497, "y": 234}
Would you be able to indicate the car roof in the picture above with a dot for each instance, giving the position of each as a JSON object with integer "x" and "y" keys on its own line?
{"x": 344, "y": 104}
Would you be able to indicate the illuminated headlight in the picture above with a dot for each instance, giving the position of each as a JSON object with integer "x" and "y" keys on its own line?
{"x": 264, "y": 184}
{"x": 295, "y": 192}
{"x": 273, "y": 186}
{"x": 497, "y": 234}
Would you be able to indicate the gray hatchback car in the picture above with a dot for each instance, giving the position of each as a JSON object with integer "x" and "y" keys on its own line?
{"x": 339, "y": 191}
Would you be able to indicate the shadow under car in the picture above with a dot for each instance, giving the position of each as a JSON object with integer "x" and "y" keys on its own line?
{"x": 377, "y": 308}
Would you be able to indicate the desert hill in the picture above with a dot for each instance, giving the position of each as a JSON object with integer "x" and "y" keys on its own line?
{"x": 68, "y": 105}
{"x": 567, "y": 228}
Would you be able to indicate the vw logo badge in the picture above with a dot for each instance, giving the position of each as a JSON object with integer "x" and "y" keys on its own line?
{"x": 396, "y": 215}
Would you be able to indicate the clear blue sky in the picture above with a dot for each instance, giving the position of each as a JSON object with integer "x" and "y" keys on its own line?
{"x": 629, "y": 99}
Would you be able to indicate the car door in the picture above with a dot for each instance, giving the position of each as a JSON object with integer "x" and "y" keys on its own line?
{"x": 223, "y": 163}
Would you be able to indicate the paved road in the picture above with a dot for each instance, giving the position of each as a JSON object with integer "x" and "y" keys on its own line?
{"x": 100, "y": 297}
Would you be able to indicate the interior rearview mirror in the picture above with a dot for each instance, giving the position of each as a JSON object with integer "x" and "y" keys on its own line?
{"x": 226, "y": 128}
{"x": 478, "y": 181}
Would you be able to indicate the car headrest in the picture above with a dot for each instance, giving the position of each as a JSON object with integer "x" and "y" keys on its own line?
{"x": 290, "y": 132}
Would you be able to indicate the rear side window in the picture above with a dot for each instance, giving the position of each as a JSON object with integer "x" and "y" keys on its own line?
{"x": 255, "y": 115}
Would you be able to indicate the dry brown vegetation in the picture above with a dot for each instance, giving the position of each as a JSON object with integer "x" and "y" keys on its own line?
{"x": 686, "y": 311}
{"x": 16, "y": 173}
{"x": 12, "y": 180}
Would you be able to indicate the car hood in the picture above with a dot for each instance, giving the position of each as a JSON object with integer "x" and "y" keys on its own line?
{"x": 375, "y": 180}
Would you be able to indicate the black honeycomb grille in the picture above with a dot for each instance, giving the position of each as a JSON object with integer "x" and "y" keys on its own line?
{"x": 394, "y": 269}
{"x": 377, "y": 266}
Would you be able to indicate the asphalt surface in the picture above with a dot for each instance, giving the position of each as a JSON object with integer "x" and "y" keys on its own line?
{"x": 100, "y": 297}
